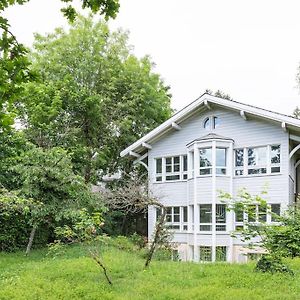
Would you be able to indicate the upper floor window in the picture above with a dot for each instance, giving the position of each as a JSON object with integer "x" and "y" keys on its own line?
{"x": 257, "y": 160}
{"x": 206, "y": 161}
{"x": 171, "y": 168}
{"x": 211, "y": 123}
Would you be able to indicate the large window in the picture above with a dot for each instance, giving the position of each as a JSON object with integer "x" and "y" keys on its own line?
{"x": 256, "y": 214}
{"x": 171, "y": 168}
{"x": 221, "y": 161}
{"x": 206, "y": 217}
{"x": 205, "y": 161}
{"x": 259, "y": 160}
{"x": 176, "y": 217}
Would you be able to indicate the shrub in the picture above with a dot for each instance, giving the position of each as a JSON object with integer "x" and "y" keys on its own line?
{"x": 272, "y": 264}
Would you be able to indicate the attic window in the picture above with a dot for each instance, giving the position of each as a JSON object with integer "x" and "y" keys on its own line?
{"x": 211, "y": 123}
{"x": 206, "y": 124}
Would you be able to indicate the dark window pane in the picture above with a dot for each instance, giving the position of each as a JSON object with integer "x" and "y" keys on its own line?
{"x": 239, "y": 157}
{"x": 185, "y": 176}
{"x": 205, "y": 213}
{"x": 205, "y": 227}
{"x": 275, "y": 211}
{"x": 185, "y": 214}
{"x": 158, "y": 178}
{"x": 275, "y": 170}
{"x": 275, "y": 154}
{"x": 257, "y": 171}
{"x": 176, "y": 160}
{"x": 221, "y": 252}
{"x": 173, "y": 177}
{"x": 220, "y": 227}
{"x": 251, "y": 213}
{"x": 262, "y": 213}
{"x": 168, "y": 169}
{"x": 176, "y": 210}
{"x": 205, "y": 171}
{"x": 221, "y": 213}
{"x": 158, "y": 165}
{"x": 176, "y": 168}
{"x": 169, "y": 160}
{"x": 185, "y": 163}
{"x": 205, "y": 253}
{"x": 239, "y": 172}
{"x": 177, "y": 218}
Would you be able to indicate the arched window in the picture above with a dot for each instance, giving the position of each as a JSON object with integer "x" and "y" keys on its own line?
{"x": 206, "y": 123}
{"x": 216, "y": 122}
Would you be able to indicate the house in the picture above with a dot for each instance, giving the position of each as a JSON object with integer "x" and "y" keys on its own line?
{"x": 217, "y": 144}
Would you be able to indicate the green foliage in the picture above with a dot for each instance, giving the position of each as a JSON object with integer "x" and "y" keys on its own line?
{"x": 75, "y": 276}
{"x": 219, "y": 94}
{"x": 14, "y": 64}
{"x": 16, "y": 217}
{"x": 96, "y": 96}
{"x": 272, "y": 264}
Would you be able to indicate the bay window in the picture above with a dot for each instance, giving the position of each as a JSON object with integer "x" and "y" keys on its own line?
{"x": 257, "y": 160}
{"x": 205, "y": 161}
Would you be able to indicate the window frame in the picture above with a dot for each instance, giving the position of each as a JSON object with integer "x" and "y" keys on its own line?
{"x": 243, "y": 171}
{"x": 210, "y": 168}
{"x": 182, "y": 224}
{"x": 182, "y": 173}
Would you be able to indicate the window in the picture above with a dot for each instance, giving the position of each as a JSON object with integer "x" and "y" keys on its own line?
{"x": 216, "y": 122}
{"x": 206, "y": 123}
{"x": 221, "y": 161}
{"x": 211, "y": 123}
{"x": 259, "y": 160}
{"x": 158, "y": 170}
{"x": 275, "y": 212}
{"x": 275, "y": 159}
{"x": 171, "y": 168}
{"x": 177, "y": 217}
{"x": 205, "y": 253}
{"x": 221, "y": 253}
{"x": 205, "y": 161}
{"x": 205, "y": 217}
{"x": 220, "y": 217}
{"x": 239, "y": 162}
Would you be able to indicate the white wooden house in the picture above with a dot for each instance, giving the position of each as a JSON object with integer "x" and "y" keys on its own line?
{"x": 217, "y": 144}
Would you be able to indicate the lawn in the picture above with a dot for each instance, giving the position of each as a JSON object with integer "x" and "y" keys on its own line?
{"x": 76, "y": 276}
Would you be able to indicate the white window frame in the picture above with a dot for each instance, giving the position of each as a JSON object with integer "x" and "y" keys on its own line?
{"x": 206, "y": 167}
{"x": 212, "y": 122}
{"x": 183, "y": 174}
{"x": 222, "y": 167}
{"x": 268, "y": 166}
{"x": 181, "y": 224}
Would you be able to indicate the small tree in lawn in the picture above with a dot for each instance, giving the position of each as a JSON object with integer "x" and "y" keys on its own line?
{"x": 132, "y": 198}
{"x": 281, "y": 239}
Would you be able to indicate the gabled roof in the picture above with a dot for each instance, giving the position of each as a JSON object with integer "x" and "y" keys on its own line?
{"x": 210, "y": 136}
{"x": 205, "y": 101}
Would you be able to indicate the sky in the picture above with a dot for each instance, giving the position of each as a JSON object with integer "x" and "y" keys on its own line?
{"x": 248, "y": 49}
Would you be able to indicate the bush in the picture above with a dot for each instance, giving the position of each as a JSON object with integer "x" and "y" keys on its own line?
{"x": 272, "y": 264}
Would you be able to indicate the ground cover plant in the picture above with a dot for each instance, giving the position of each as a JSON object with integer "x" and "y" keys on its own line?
{"x": 74, "y": 275}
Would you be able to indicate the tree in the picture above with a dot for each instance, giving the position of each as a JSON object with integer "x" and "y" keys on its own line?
{"x": 47, "y": 176}
{"x": 296, "y": 113}
{"x": 219, "y": 94}
{"x": 96, "y": 96}
{"x": 14, "y": 65}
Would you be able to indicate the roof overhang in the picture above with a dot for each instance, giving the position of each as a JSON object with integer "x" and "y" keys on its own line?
{"x": 205, "y": 102}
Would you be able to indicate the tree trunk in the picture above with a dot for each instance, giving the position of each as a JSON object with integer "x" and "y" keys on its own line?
{"x": 158, "y": 229}
{"x": 31, "y": 237}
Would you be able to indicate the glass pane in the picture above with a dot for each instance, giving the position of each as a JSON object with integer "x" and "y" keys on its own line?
{"x": 185, "y": 163}
{"x": 275, "y": 154}
{"x": 205, "y": 157}
{"x": 205, "y": 171}
{"x": 251, "y": 157}
{"x": 176, "y": 210}
{"x": 169, "y": 161}
{"x": 158, "y": 178}
{"x": 257, "y": 171}
{"x": 262, "y": 214}
{"x": 158, "y": 213}
{"x": 220, "y": 227}
{"x": 185, "y": 214}
{"x": 207, "y": 123}
{"x": 221, "y": 213}
{"x": 216, "y": 122}
{"x": 205, "y": 253}
{"x": 176, "y": 168}
{"x": 177, "y": 218}
{"x": 176, "y": 160}
{"x": 169, "y": 210}
{"x": 158, "y": 165}
{"x": 251, "y": 213}
{"x": 221, "y": 157}
{"x": 221, "y": 253}
{"x": 205, "y": 227}
{"x": 262, "y": 155}
{"x": 239, "y": 157}
{"x": 205, "y": 213}
{"x": 239, "y": 172}
{"x": 275, "y": 170}
{"x": 275, "y": 211}
{"x": 239, "y": 214}
{"x": 221, "y": 171}
{"x": 172, "y": 177}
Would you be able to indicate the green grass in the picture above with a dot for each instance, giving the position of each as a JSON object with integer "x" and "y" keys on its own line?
{"x": 76, "y": 276}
